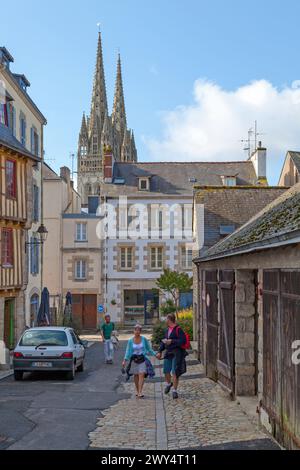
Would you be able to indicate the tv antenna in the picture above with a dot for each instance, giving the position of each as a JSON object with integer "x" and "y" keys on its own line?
{"x": 250, "y": 140}
{"x": 72, "y": 156}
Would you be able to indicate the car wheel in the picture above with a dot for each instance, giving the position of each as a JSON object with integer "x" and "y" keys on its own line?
{"x": 71, "y": 373}
{"x": 18, "y": 374}
{"x": 81, "y": 367}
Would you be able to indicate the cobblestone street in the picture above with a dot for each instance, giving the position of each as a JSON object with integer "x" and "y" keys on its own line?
{"x": 203, "y": 417}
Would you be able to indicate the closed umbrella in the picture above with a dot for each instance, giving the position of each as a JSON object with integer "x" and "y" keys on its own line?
{"x": 43, "y": 317}
{"x": 68, "y": 308}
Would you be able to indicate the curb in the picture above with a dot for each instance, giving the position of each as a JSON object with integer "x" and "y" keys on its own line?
{"x": 4, "y": 375}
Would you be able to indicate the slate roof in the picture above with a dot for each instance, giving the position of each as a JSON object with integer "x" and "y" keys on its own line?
{"x": 9, "y": 141}
{"x": 173, "y": 178}
{"x": 277, "y": 223}
{"x": 231, "y": 206}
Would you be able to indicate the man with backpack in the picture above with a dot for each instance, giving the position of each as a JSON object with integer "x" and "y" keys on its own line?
{"x": 174, "y": 344}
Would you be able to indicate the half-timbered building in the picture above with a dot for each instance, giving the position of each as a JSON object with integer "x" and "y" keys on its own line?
{"x": 21, "y": 148}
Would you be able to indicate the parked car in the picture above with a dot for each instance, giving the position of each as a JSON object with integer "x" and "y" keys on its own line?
{"x": 49, "y": 349}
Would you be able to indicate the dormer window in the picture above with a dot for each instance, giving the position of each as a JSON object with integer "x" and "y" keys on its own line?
{"x": 229, "y": 180}
{"x": 144, "y": 184}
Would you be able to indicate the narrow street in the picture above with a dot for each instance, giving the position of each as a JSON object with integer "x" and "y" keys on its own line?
{"x": 98, "y": 410}
{"x": 49, "y": 412}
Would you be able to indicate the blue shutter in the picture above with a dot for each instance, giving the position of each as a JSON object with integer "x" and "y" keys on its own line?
{"x": 32, "y": 140}
{"x": 31, "y": 256}
{"x": 37, "y": 150}
{"x": 37, "y": 257}
{"x": 35, "y": 203}
{"x": 14, "y": 121}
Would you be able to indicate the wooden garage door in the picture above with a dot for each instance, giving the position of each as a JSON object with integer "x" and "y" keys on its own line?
{"x": 89, "y": 319}
{"x": 84, "y": 310}
{"x": 281, "y": 327}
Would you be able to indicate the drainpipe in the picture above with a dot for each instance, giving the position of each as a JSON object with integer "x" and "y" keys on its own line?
{"x": 42, "y": 204}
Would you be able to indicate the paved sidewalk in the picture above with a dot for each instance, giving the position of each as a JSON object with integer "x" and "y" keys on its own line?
{"x": 203, "y": 417}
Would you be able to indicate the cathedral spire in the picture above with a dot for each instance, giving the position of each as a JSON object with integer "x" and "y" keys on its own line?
{"x": 83, "y": 130}
{"x": 99, "y": 99}
{"x": 118, "y": 113}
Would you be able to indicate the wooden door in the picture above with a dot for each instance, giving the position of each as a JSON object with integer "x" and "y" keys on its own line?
{"x": 9, "y": 327}
{"x": 281, "y": 328}
{"x": 89, "y": 312}
{"x": 226, "y": 363}
{"x": 77, "y": 307}
{"x": 211, "y": 315}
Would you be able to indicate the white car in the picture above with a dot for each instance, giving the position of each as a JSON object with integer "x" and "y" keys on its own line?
{"x": 49, "y": 349}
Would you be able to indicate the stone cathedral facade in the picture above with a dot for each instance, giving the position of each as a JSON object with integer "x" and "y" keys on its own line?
{"x": 101, "y": 129}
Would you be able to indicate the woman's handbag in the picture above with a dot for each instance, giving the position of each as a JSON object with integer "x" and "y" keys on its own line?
{"x": 138, "y": 358}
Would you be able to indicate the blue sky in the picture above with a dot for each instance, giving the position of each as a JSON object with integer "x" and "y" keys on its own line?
{"x": 166, "y": 46}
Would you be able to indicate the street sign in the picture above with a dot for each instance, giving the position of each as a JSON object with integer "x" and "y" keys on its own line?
{"x": 100, "y": 308}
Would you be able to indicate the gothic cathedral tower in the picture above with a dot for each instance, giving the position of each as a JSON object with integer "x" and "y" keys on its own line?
{"x": 100, "y": 129}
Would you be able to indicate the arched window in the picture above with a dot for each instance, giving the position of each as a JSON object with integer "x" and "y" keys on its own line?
{"x": 34, "y": 308}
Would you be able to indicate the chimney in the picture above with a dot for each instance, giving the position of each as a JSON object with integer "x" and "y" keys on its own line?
{"x": 259, "y": 160}
{"x": 65, "y": 174}
{"x": 108, "y": 164}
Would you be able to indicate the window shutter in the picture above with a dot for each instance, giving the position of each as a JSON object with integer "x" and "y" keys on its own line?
{"x": 37, "y": 257}
{"x": 31, "y": 256}
{"x": 32, "y": 140}
{"x": 14, "y": 121}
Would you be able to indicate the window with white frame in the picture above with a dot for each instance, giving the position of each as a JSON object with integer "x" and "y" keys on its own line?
{"x": 80, "y": 269}
{"x": 156, "y": 257}
{"x": 186, "y": 257}
{"x": 126, "y": 253}
{"x": 229, "y": 180}
{"x": 81, "y": 232}
{"x": 144, "y": 184}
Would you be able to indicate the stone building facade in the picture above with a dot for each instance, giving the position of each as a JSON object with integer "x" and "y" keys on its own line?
{"x": 158, "y": 196}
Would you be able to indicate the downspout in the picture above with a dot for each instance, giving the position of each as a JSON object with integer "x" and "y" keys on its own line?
{"x": 42, "y": 203}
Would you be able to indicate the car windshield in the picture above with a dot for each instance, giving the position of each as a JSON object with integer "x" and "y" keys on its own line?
{"x": 44, "y": 337}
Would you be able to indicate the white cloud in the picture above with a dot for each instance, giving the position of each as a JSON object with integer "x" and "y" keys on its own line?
{"x": 211, "y": 128}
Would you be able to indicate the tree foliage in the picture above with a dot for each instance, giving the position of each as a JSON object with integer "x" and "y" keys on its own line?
{"x": 174, "y": 283}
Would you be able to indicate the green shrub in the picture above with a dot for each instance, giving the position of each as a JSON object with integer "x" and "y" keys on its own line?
{"x": 168, "y": 307}
{"x": 158, "y": 333}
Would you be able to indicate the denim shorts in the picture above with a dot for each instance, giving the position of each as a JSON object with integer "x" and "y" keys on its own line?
{"x": 170, "y": 365}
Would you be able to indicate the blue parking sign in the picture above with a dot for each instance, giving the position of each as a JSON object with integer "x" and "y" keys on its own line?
{"x": 100, "y": 308}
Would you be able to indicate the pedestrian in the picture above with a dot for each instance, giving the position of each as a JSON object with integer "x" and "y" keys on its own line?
{"x": 137, "y": 350}
{"x": 107, "y": 330}
{"x": 174, "y": 358}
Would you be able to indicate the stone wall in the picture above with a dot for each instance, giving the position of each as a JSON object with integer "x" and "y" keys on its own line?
{"x": 245, "y": 332}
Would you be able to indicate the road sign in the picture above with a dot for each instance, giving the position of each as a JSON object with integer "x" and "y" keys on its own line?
{"x": 100, "y": 308}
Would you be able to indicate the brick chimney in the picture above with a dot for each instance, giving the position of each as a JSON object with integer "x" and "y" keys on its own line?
{"x": 108, "y": 164}
{"x": 259, "y": 160}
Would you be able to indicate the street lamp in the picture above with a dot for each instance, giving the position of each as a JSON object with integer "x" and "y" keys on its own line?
{"x": 43, "y": 233}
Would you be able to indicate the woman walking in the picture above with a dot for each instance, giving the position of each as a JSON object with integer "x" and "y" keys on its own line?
{"x": 138, "y": 348}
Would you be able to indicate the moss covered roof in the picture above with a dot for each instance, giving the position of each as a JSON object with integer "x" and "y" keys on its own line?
{"x": 278, "y": 221}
